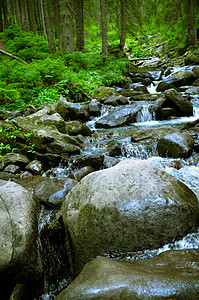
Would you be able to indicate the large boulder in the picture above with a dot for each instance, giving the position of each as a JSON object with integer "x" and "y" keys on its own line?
{"x": 170, "y": 275}
{"x": 18, "y": 231}
{"x": 183, "y": 106}
{"x": 181, "y": 78}
{"x": 119, "y": 116}
{"x": 177, "y": 144}
{"x": 132, "y": 206}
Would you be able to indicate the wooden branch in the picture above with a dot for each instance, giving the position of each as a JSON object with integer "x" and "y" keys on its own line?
{"x": 137, "y": 59}
{"x": 155, "y": 46}
{"x": 13, "y": 56}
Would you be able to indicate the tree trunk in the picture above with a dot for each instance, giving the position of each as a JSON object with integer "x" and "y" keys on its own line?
{"x": 42, "y": 18}
{"x": 5, "y": 14}
{"x": 123, "y": 24}
{"x": 192, "y": 34}
{"x": 1, "y": 16}
{"x": 56, "y": 17}
{"x": 31, "y": 15}
{"x": 24, "y": 15}
{"x": 10, "y": 7}
{"x": 48, "y": 26}
{"x": 104, "y": 28}
{"x": 66, "y": 31}
{"x": 79, "y": 24}
{"x": 17, "y": 12}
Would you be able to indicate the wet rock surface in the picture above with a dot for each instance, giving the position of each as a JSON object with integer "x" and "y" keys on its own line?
{"x": 170, "y": 275}
{"x": 132, "y": 206}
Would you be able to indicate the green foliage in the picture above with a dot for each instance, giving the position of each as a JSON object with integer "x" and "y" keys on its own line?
{"x": 26, "y": 45}
{"x": 50, "y": 95}
{"x": 14, "y": 139}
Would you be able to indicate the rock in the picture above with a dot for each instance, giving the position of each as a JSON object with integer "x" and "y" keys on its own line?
{"x": 163, "y": 86}
{"x": 12, "y": 169}
{"x": 77, "y": 127}
{"x": 196, "y": 71}
{"x": 196, "y": 83}
{"x": 8, "y": 114}
{"x": 79, "y": 174}
{"x": 170, "y": 275}
{"x": 13, "y": 158}
{"x": 183, "y": 106}
{"x": 152, "y": 134}
{"x": 114, "y": 148}
{"x": 93, "y": 160}
{"x": 139, "y": 88}
{"x": 181, "y": 78}
{"x": 132, "y": 206}
{"x": 153, "y": 62}
{"x": 165, "y": 112}
{"x": 116, "y": 100}
{"x": 104, "y": 92}
{"x": 119, "y": 116}
{"x": 94, "y": 108}
{"x": 35, "y": 166}
{"x": 178, "y": 144}
{"x": 18, "y": 231}
{"x": 72, "y": 111}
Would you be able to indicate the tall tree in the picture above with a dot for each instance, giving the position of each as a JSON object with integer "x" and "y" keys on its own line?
{"x": 66, "y": 30}
{"x": 56, "y": 17}
{"x": 192, "y": 34}
{"x": 5, "y": 14}
{"x": 11, "y": 15}
{"x": 48, "y": 26}
{"x": 123, "y": 24}
{"x": 1, "y": 16}
{"x": 79, "y": 24}
{"x": 24, "y": 15}
{"x": 31, "y": 14}
{"x": 17, "y": 12}
{"x": 104, "y": 27}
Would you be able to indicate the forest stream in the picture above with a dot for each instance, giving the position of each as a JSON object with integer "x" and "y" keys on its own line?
{"x": 117, "y": 140}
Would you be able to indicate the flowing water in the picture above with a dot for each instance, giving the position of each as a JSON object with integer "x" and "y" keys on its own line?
{"x": 188, "y": 173}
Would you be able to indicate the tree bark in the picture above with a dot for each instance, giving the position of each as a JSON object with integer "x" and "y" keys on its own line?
{"x": 24, "y": 15}
{"x": 123, "y": 24}
{"x": 79, "y": 24}
{"x": 5, "y": 14}
{"x": 66, "y": 30}
{"x": 48, "y": 26}
{"x": 104, "y": 28}
{"x": 56, "y": 17}
{"x": 17, "y": 12}
{"x": 1, "y": 16}
{"x": 192, "y": 34}
{"x": 31, "y": 15}
{"x": 10, "y": 7}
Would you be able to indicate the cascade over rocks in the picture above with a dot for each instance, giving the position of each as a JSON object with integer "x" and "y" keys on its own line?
{"x": 181, "y": 78}
{"x": 18, "y": 228}
{"x": 132, "y": 206}
{"x": 119, "y": 116}
{"x": 170, "y": 275}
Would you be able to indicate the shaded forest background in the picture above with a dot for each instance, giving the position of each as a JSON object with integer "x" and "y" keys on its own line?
{"x": 56, "y": 47}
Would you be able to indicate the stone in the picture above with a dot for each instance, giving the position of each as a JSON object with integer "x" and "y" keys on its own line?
{"x": 18, "y": 231}
{"x": 163, "y": 86}
{"x": 77, "y": 127}
{"x": 12, "y": 169}
{"x": 194, "y": 90}
{"x": 176, "y": 145}
{"x": 152, "y": 134}
{"x": 114, "y": 148}
{"x": 80, "y": 161}
{"x": 170, "y": 275}
{"x": 116, "y": 100}
{"x": 13, "y": 158}
{"x": 79, "y": 174}
{"x": 196, "y": 71}
{"x": 183, "y": 106}
{"x": 132, "y": 206}
{"x": 94, "y": 108}
{"x": 35, "y": 167}
{"x": 120, "y": 116}
{"x": 181, "y": 78}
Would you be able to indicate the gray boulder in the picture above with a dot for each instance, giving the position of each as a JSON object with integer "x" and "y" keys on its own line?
{"x": 132, "y": 206}
{"x": 18, "y": 231}
{"x": 77, "y": 127}
{"x": 181, "y": 78}
{"x": 13, "y": 158}
{"x": 178, "y": 144}
{"x": 119, "y": 116}
{"x": 182, "y": 105}
{"x": 170, "y": 275}
{"x": 116, "y": 100}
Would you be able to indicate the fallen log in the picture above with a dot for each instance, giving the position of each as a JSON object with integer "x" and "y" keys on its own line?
{"x": 13, "y": 56}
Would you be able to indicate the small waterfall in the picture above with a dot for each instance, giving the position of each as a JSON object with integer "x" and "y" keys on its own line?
{"x": 145, "y": 115}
